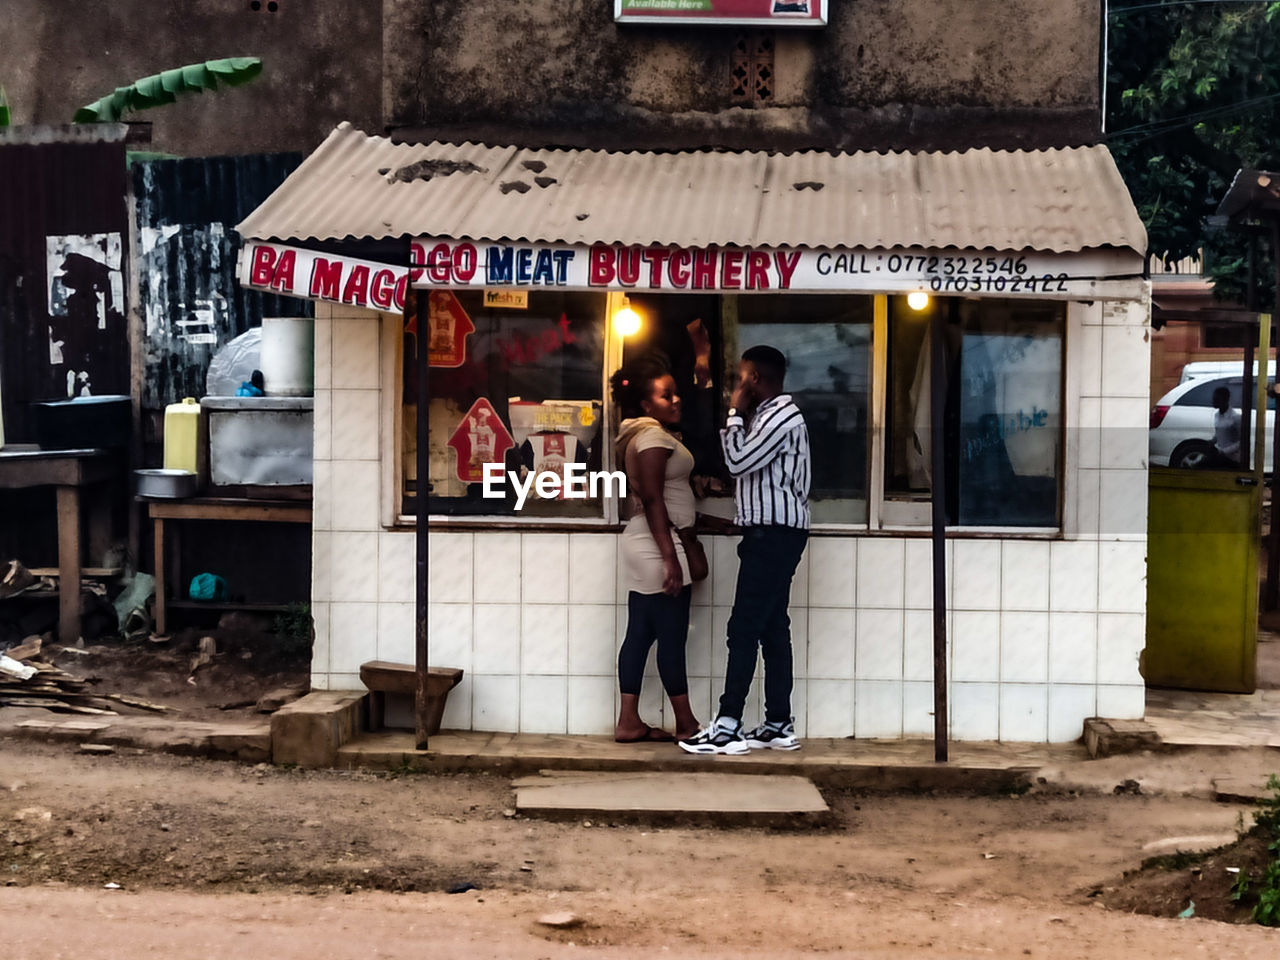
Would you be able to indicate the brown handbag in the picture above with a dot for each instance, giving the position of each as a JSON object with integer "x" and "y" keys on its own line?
{"x": 694, "y": 553}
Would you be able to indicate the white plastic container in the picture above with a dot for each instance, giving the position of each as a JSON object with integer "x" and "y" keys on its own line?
{"x": 288, "y": 356}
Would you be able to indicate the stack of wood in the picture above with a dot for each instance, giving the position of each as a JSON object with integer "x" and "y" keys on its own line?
{"x": 26, "y": 681}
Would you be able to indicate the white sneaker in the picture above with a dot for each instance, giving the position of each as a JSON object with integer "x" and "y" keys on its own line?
{"x": 722, "y": 735}
{"x": 773, "y": 735}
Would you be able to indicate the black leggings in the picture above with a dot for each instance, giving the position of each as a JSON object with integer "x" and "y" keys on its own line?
{"x": 657, "y": 616}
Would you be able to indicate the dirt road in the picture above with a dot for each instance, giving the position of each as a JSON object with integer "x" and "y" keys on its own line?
{"x": 218, "y": 860}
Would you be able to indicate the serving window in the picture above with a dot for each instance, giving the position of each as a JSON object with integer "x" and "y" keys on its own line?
{"x": 524, "y": 390}
{"x": 527, "y": 391}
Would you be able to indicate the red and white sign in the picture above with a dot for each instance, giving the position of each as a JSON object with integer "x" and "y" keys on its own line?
{"x": 448, "y": 327}
{"x": 295, "y": 272}
{"x": 480, "y": 438}
{"x": 776, "y": 13}
{"x": 1104, "y": 274}
{"x": 1088, "y": 274}
{"x": 551, "y": 452}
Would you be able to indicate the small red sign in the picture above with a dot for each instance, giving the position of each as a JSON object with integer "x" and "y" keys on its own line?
{"x": 448, "y": 327}
{"x": 775, "y": 13}
{"x": 481, "y": 438}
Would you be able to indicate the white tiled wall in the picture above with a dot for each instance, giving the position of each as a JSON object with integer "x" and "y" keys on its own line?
{"x": 1043, "y": 633}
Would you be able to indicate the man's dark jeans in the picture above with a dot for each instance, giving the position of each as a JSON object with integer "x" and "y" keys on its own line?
{"x": 767, "y": 560}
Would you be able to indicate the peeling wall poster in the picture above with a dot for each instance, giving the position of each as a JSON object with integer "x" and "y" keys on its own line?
{"x": 84, "y": 277}
{"x": 186, "y": 307}
{"x": 85, "y": 293}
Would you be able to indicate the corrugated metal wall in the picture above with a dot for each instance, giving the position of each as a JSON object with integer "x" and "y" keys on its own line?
{"x": 63, "y": 249}
{"x": 189, "y": 300}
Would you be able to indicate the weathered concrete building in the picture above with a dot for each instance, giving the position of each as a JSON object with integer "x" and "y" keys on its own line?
{"x": 883, "y": 74}
{"x": 321, "y": 65}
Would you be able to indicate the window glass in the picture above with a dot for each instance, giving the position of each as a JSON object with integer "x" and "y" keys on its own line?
{"x": 1003, "y": 411}
{"x": 827, "y": 342}
{"x": 526, "y": 392}
{"x": 1009, "y": 443}
{"x": 1201, "y": 395}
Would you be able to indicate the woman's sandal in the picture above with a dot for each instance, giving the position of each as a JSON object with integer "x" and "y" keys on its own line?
{"x": 650, "y": 735}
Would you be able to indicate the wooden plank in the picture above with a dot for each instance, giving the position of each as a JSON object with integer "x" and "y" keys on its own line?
{"x": 140, "y": 704}
{"x": 268, "y": 511}
{"x": 162, "y": 581}
{"x": 88, "y": 573}
{"x": 69, "y": 564}
{"x": 43, "y": 468}
{"x": 59, "y": 705}
{"x": 229, "y": 605}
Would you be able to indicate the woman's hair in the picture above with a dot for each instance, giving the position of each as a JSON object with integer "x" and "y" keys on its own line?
{"x": 634, "y": 382}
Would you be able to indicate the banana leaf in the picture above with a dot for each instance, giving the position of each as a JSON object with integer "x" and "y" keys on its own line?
{"x": 164, "y": 87}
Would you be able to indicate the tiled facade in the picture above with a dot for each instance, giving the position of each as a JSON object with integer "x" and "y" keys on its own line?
{"x": 1044, "y": 632}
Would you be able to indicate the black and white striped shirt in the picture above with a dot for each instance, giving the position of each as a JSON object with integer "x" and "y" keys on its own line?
{"x": 770, "y": 461}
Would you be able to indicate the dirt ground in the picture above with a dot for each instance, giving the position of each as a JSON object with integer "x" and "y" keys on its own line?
{"x": 218, "y": 859}
{"x": 249, "y": 659}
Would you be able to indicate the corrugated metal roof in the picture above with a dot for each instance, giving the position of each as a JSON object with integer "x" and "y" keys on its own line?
{"x": 357, "y": 186}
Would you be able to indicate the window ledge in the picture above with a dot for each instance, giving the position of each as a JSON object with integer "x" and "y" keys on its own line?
{"x": 592, "y": 525}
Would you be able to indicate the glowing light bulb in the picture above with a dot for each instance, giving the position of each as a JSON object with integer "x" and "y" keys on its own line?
{"x": 626, "y": 321}
{"x": 917, "y": 299}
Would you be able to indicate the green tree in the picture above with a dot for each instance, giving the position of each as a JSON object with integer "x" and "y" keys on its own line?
{"x": 1193, "y": 96}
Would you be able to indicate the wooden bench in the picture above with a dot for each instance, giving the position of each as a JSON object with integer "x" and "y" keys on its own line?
{"x": 383, "y": 677}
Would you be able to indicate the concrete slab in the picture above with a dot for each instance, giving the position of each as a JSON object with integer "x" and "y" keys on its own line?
{"x": 871, "y": 765}
{"x": 1190, "y": 718}
{"x": 720, "y": 797}
{"x": 1240, "y": 790}
{"x": 248, "y": 741}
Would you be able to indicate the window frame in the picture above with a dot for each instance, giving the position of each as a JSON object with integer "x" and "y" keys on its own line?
{"x": 879, "y": 522}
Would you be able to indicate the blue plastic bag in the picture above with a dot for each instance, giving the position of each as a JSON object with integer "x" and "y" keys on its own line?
{"x": 208, "y": 586}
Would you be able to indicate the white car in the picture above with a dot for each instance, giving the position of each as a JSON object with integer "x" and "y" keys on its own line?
{"x": 1181, "y": 433}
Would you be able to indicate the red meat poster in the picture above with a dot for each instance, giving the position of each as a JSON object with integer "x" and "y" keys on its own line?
{"x": 481, "y": 438}
{"x": 448, "y": 327}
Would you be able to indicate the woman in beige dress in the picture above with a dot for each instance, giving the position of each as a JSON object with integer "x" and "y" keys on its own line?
{"x": 660, "y": 499}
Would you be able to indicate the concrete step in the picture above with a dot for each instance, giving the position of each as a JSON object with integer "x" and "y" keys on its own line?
{"x": 878, "y": 766}
{"x": 248, "y": 740}
{"x": 720, "y": 798}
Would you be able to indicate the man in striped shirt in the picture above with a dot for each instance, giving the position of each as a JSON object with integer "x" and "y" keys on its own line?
{"x": 769, "y": 458}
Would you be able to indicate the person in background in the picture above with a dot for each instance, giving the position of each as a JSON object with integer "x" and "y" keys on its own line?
{"x": 659, "y": 587}
{"x": 1226, "y": 431}
{"x": 769, "y": 459}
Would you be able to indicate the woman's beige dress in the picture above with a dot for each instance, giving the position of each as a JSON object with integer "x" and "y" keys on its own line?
{"x": 639, "y": 550}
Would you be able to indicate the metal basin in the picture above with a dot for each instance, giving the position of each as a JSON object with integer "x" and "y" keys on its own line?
{"x": 165, "y": 484}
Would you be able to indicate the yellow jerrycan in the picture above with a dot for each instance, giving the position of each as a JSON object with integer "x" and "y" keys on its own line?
{"x": 185, "y": 444}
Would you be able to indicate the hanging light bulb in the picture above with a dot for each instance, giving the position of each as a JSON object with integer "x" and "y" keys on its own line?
{"x": 626, "y": 321}
{"x": 917, "y": 299}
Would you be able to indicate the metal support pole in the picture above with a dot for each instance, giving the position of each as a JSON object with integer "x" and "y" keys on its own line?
{"x": 938, "y": 495}
{"x": 1247, "y": 405}
{"x": 1271, "y": 590}
{"x": 422, "y": 648}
